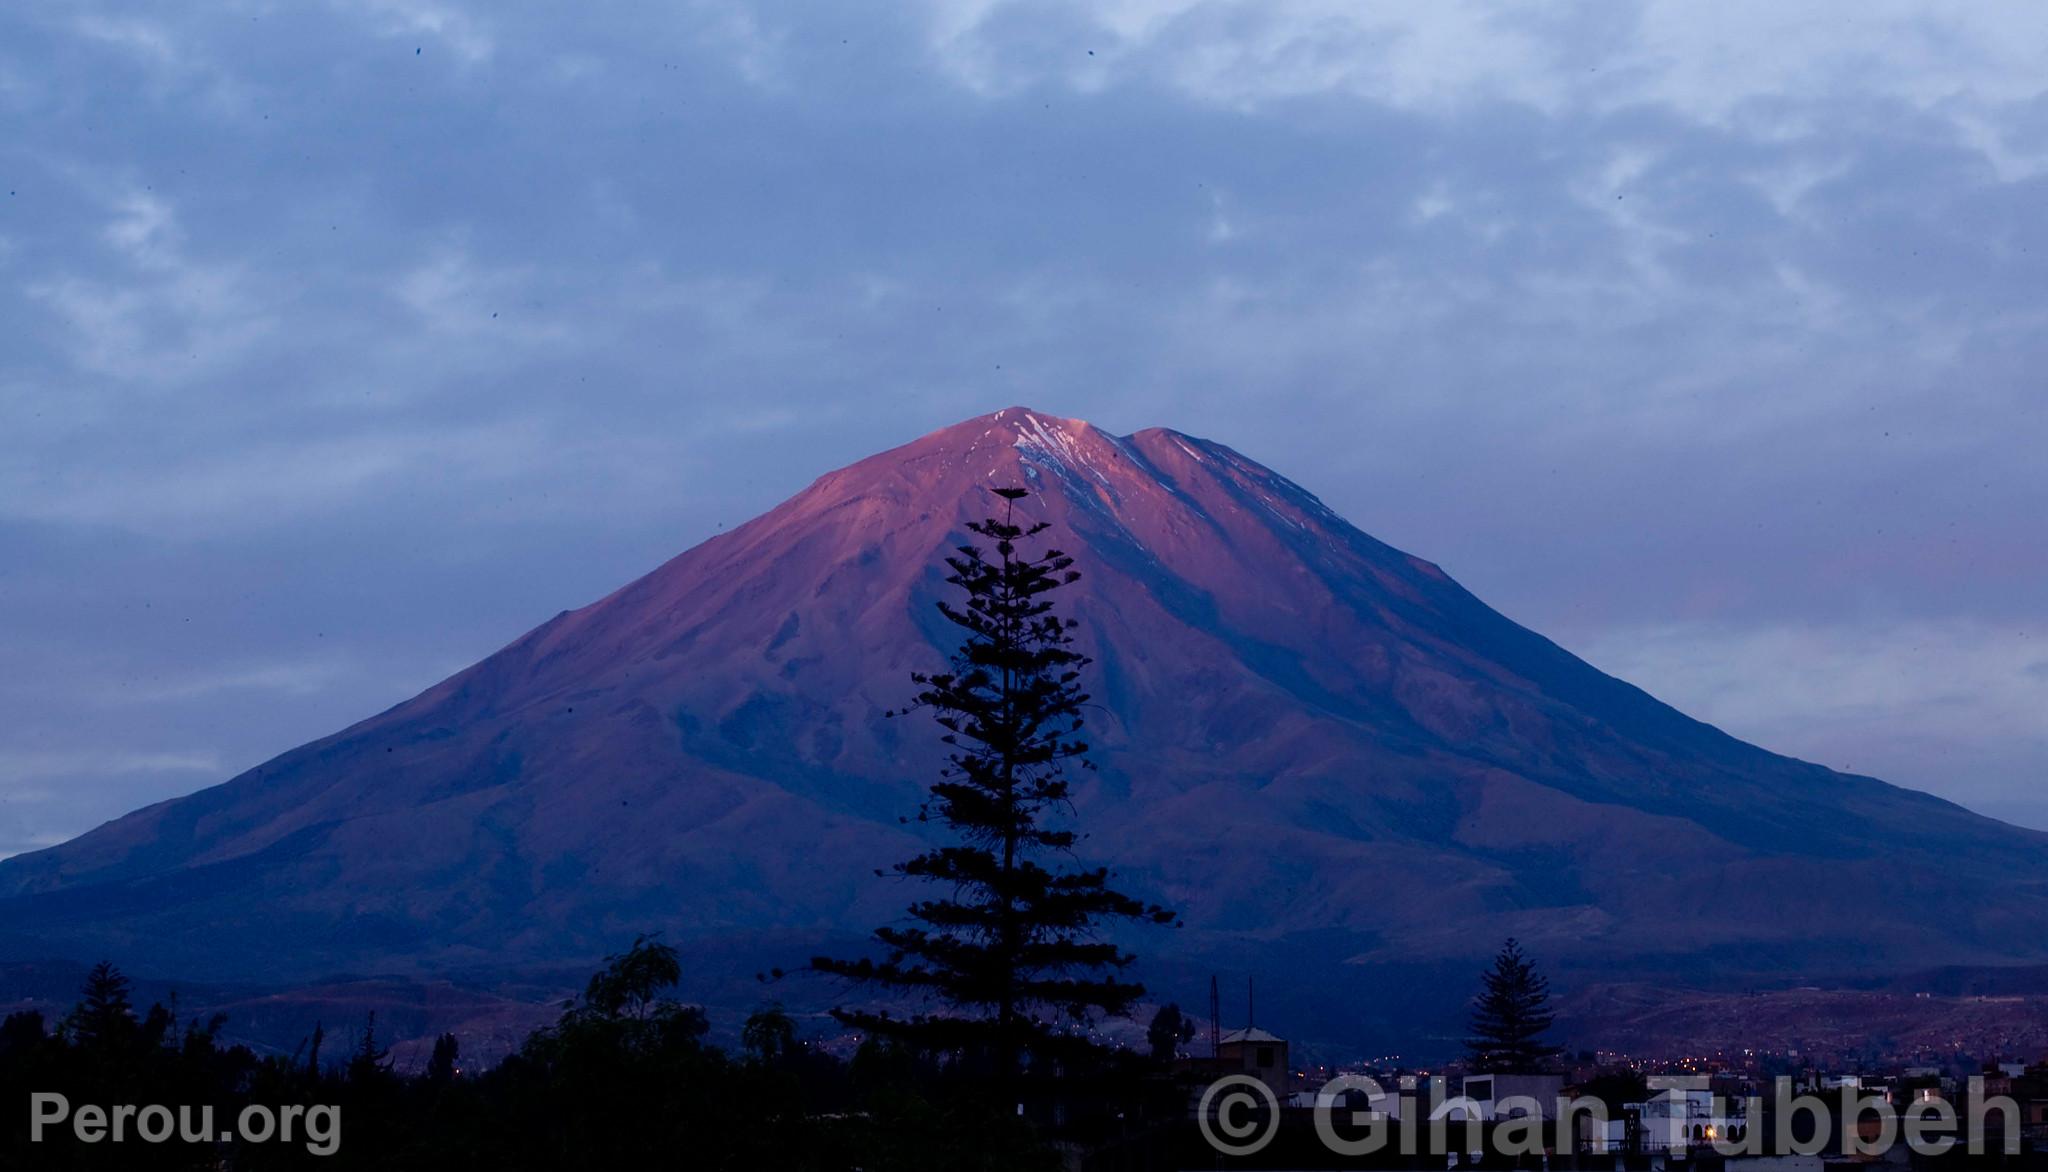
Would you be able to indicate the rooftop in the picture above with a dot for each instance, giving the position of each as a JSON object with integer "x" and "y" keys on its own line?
{"x": 1248, "y": 1034}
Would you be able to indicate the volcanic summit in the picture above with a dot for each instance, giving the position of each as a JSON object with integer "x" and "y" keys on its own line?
{"x": 1318, "y": 747}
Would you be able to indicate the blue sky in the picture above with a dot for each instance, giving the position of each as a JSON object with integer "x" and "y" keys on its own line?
{"x": 340, "y": 343}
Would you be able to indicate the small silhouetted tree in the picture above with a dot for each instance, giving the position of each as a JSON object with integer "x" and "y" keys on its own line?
{"x": 371, "y": 1060}
{"x": 769, "y": 1035}
{"x": 441, "y": 1063}
{"x": 1510, "y": 1015}
{"x": 631, "y": 983}
{"x": 1169, "y": 1031}
{"x": 21, "y": 1034}
{"x": 104, "y": 1017}
{"x": 624, "y": 1008}
{"x": 1011, "y": 950}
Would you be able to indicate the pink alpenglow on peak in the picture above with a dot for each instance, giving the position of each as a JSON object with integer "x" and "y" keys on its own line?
{"x": 1344, "y": 770}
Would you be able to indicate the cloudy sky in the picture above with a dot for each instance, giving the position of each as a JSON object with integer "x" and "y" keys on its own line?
{"x": 341, "y": 343}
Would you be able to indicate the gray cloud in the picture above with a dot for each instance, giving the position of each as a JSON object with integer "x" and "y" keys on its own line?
{"x": 339, "y": 344}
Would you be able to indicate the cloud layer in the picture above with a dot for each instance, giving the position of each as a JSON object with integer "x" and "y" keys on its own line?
{"x": 339, "y": 344}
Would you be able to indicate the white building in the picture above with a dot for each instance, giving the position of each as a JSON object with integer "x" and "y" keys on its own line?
{"x": 1489, "y": 1097}
{"x": 1680, "y": 1119}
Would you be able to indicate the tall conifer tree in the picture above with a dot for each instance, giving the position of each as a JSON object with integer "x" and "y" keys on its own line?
{"x": 1011, "y": 951}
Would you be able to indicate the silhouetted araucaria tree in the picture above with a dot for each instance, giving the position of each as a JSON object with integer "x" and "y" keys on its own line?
{"x": 1510, "y": 1015}
{"x": 1012, "y": 952}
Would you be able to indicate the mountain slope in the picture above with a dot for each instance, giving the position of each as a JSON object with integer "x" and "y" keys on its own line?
{"x": 1319, "y": 747}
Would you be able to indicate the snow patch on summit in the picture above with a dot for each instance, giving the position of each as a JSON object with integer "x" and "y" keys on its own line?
{"x": 1079, "y": 458}
{"x": 1037, "y": 436}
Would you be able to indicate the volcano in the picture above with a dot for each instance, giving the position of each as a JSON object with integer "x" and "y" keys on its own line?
{"x": 1344, "y": 769}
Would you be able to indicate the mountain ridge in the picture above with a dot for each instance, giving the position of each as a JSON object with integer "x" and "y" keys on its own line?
{"x": 1312, "y": 742}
